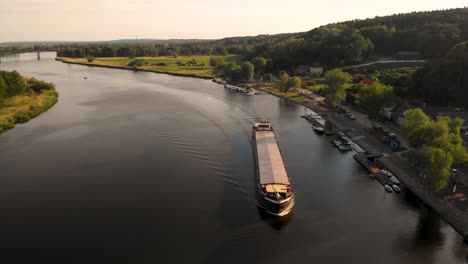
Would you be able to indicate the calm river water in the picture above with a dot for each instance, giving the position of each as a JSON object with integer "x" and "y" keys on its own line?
{"x": 135, "y": 167}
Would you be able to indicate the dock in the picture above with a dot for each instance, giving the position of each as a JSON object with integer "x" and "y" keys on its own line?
{"x": 368, "y": 162}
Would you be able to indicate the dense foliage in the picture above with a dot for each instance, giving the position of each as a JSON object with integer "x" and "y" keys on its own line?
{"x": 12, "y": 83}
{"x": 17, "y": 98}
{"x": 374, "y": 98}
{"x": 444, "y": 81}
{"x": 236, "y": 73}
{"x": 337, "y": 83}
{"x": 287, "y": 83}
{"x": 137, "y": 63}
{"x": 440, "y": 141}
{"x": 400, "y": 78}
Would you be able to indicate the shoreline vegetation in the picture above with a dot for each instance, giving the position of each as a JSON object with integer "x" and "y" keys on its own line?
{"x": 197, "y": 66}
{"x": 22, "y": 99}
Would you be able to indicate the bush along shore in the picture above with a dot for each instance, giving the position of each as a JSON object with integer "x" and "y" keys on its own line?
{"x": 23, "y": 98}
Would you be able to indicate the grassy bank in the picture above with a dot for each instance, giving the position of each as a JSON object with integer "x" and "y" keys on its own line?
{"x": 193, "y": 66}
{"x": 272, "y": 88}
{"x": 21, "y": 108}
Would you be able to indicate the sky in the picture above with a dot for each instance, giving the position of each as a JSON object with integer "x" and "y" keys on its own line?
{"x": 89, "y": 20}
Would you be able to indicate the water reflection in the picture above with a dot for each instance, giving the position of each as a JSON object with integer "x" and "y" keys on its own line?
{"x": 277, "y": 223}
{"x": 429, "y": 228}
{"x": 140, "y": 164}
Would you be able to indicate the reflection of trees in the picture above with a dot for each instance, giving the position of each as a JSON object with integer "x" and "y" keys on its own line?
{"x": 410, "y": 200}
{"x": 428, "y": 229}
{"x": 460, "y": 249}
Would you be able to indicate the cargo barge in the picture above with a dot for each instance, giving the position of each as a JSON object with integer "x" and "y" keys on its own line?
{"x": 274, "y": 191}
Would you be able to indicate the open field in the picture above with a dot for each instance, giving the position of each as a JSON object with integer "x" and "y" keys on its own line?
{"x": 195, "y": 66}
{"x": 21, "y": 108}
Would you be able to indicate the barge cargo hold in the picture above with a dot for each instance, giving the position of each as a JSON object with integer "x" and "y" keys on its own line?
{"x": 274, "y": 189}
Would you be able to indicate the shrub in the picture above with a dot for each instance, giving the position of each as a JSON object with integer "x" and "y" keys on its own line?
{"x": 6, "y": 126}
{"x": 37, "y": 85}
{"x": 22, "y": 116}
{"x": 137, "y": 63}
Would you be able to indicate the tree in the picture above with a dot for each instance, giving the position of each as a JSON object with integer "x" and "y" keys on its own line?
{"x": 220, "y": 50}
{"x": 294, "y": 83}
{"x": 231, "y": 71}
{"x": 440, "y": 141}
{"x": 90, "y": 58}
{"x": 269, "y": 77}
{"x": 247, "y": 71}
{"x": 259, "y": 64}
{"x": 413, "y": 127}
{"x": 337, "y": 83}
{"x": 283, "y": 82}
{"x": 439, "y": 165}
{"x": 216, "y": 61}
{"x": 374, "y": 98}
{"x": 137, "y": 63}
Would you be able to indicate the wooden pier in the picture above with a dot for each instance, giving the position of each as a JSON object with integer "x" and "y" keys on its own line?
{"x": 368, "y": 162}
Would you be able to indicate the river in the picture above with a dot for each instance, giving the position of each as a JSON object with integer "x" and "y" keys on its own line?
{"x": 137, "y": 167}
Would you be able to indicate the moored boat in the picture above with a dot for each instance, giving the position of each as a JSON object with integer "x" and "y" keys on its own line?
{"x": 274, "y": 190}
{"x": 317, "y": 128}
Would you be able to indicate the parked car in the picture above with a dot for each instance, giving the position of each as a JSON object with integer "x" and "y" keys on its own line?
{"x": 392, "y": 135}
{"x": 352, "y": 117}
{"x": 385, "y": 131}
{"x": 378, "y": 127}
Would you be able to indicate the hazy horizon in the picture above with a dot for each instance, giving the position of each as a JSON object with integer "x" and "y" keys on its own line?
{"x": 51, "y": 20}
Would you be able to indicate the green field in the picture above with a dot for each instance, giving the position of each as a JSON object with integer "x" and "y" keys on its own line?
{"x": 172, "y": 65}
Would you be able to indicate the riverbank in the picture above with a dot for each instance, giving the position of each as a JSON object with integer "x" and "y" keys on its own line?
{"x": 186, "y": 66}
{"x": 393, "y": 161}
{"x": 22, "y": 108}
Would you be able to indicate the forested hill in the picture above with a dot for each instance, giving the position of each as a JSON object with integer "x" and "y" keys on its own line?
{"x": 425, "y": 35}
{"x": 432, "y": 33}
{"x": 416, "y": 35}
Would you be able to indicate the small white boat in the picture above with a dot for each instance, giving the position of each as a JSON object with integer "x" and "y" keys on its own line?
{"x": 396, "y": 188}
{"x": 318, "y": 128}
{"x": 391, "y": 177}
{"x": 388, "y": 188}
{"x": 345, "y": 147}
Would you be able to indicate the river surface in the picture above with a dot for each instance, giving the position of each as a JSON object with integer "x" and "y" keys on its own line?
{"x": 136, "y": 167}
